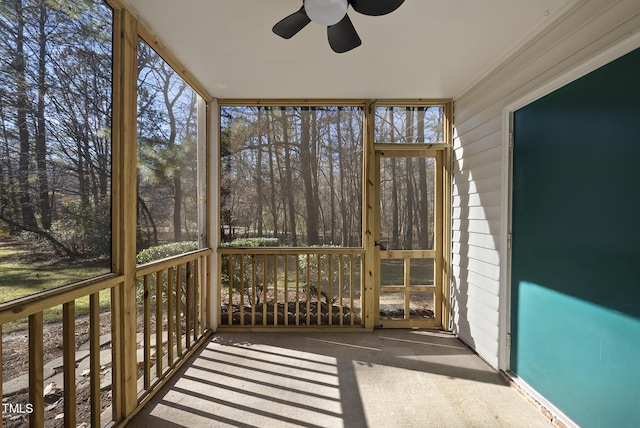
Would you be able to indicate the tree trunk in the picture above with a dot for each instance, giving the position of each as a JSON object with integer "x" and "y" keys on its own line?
{"x": 171, "y": 146}
{"x": 344, "y": 217}
{"x": 259, "y": 192}
{"x": 22, "y": 105}
{"x": 41, "y": 146}
{"x": 408, "y": 237}
{"x": 289, "y": 181}
{"x": 272, "y": 178}
{"x": 306, "y": 170}
{"x": 395, "y": 213}
{"x": 8, "y": 198}
{"x": 83, "y": 165}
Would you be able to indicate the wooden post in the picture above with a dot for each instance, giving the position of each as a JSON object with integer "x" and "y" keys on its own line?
{"x": 368, "y": 224}
{"x": 124, "y": 201}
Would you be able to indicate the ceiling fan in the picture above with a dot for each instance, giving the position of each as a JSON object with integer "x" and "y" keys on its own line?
{"x": 333, "y": 13}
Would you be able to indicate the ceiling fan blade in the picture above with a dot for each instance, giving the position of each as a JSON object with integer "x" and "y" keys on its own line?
{"x": 343, "y": 36}
{"x": 289, "y": 26}
{"x": 375, "y": 7}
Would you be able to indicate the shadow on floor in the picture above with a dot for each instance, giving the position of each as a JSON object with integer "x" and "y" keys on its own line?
{"x": 390, "y": 378}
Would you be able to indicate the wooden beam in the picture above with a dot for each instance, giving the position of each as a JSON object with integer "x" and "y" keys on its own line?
{"x": 370, "y": 170}
{"x": 124, "y": 141}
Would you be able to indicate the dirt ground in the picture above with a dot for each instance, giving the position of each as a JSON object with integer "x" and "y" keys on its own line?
{"x": 15, "y": 362}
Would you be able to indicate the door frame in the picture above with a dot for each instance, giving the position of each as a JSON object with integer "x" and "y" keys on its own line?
{"x": 370, "y": 260}
{"x": 412, "y": 152}
{"x": 570, "y": 75}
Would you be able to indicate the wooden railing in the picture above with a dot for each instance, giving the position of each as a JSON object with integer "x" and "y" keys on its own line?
{"x": 171, "y": 290}
{"x": 171, "y": 315}
{"x": 290, "y": 287}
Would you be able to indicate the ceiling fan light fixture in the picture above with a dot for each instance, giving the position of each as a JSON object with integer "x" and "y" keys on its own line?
{"x": 326, "y": 12}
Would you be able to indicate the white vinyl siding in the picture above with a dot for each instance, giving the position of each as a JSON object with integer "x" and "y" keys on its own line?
{"x": 588, "y": 29}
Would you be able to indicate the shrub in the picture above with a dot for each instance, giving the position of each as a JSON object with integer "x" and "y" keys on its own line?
{"x": 245, "y": 242}
{"x": 161, "y": 252}
{"x": 252, "y": 242}
{"x": 166, "y": 250}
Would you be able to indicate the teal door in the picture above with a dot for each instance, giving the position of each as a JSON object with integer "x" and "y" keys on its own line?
{"x": 575, "y": 309}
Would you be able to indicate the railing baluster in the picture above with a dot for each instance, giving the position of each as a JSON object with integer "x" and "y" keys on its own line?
{"x": 179, "y": 309}
{"x": 230, "y": 306}
{"x": 203, "y": 294}
{"x": 297, "y": 289}
{"x": 69, "y": 363}
{"x": 285, "y": 310}
{"x": 308, "y": 320}
{"x": 242, "y": 289}
{"x": 170, "y": 315}
{"x": 340, "y": 292}
{"x": 94, "y": 358}
{"x": 351, "y": 274}
{"x": 36, "y": 364}
{"x": 188, "y": 304}
{"x": 196, "y": 309}
{"x": 319, "y": 290}
{"x": 147, "y": 331}
{"x": 275, "y": 289}
{"x": 159, "y": 324}
{"x": 253, "y": 290}
{"x": 330, "y": 289}
{"x": 264, "y": 289}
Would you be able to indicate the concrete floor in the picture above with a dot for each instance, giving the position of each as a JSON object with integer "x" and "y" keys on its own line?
{"x": 388, "y": 378}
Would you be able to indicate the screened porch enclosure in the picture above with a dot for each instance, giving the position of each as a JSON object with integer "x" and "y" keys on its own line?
{"x": 315, "y": 231}
{"x": 164, "y": 231}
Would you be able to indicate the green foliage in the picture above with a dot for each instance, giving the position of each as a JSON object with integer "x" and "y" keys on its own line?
{"x": 159, "y": 252}
{"x": 166, "y": 250}
{"x": 313, "y": 259}
{"x": 252, "y": 242}
{"x": 237, "y": 283}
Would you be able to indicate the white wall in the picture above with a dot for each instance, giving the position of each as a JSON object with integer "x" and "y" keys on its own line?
{"x": 586, "y": 36}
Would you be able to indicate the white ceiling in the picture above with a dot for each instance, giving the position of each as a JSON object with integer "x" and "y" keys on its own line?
{"x": 425, "y": 49}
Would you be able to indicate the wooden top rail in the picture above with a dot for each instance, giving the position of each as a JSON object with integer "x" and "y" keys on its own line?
{"x": 289, "y": 250}
{"x": 418, "y": 147}
{"x": 168, "y": 262}
{"x": 413, "y": 254}
{"x": 29, "y": 305}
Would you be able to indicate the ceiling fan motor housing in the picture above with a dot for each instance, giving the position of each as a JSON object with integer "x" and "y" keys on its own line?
{"x": 326, "y": 12}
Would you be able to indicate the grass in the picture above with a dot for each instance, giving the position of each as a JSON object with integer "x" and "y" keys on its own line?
{"x": 19, "y": 278}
